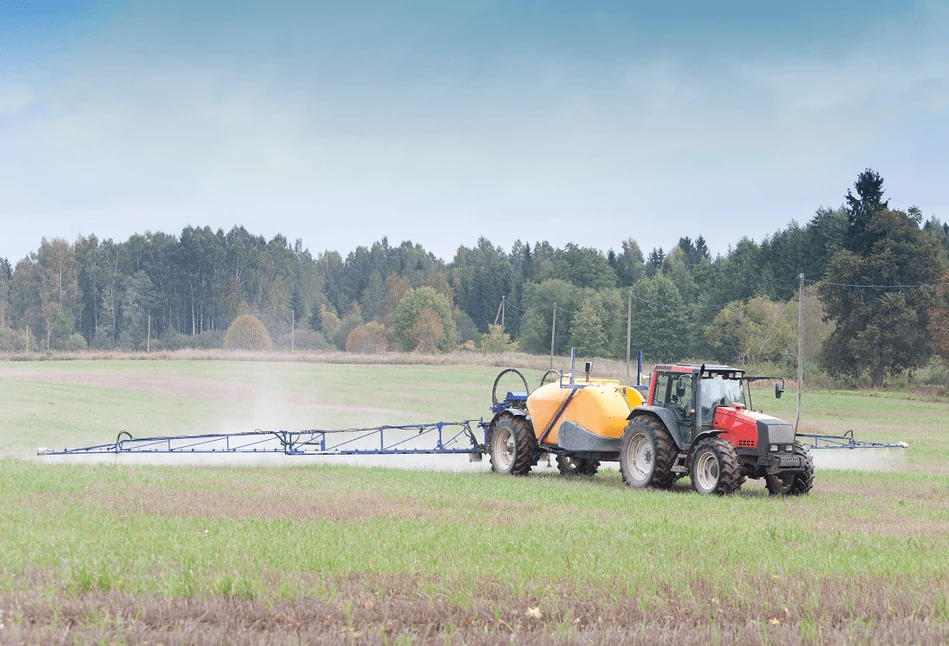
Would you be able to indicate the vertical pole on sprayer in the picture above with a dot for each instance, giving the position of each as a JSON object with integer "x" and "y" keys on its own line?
{"x": 639, "y": 367}
{"x": 629, "y": 329}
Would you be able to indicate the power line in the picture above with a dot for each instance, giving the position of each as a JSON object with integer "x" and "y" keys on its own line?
{"x": 827, "y": 282}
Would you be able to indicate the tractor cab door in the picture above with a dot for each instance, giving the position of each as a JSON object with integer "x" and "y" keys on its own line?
{"x": 676, "y": 392}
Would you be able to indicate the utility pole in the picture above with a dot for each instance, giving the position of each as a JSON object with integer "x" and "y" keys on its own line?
{"x": 800, "y": 348}
{"x": 503, "y": 301}
{"x": 293, "y": 328}
{"x": 553, "y": 333}
{"x": 148, "y": 336}
{"x": 629, "y": 330}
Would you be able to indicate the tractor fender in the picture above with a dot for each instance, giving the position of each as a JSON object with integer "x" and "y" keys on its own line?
{"x": 667, "y": 417}
{"x": 705, "y": 434}
{"x": 515, "y": 412}
{"x": 698, "y": 438}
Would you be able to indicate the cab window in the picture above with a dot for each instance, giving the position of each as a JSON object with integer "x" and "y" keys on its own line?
{"x": 662, "y": 390}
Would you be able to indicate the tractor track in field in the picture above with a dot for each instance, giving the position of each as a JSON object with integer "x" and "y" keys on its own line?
{"x": 381, "y": 608}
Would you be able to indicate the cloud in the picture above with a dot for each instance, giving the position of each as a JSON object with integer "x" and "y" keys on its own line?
{"x": 341, "y": 146}
{"x": 16, "y": 98}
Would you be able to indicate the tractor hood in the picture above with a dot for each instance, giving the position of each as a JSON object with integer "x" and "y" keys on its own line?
{"x": 753, "y": 429}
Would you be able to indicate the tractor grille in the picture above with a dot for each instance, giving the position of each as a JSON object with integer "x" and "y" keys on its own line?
{"x": 746, "y": 444}
{"x": 790, "y": 461}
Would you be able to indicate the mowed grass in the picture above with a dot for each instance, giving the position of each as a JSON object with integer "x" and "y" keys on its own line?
{"x": 325, "y": 553}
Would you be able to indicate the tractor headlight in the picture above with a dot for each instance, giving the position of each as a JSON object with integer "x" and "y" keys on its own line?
{"x": 774, "y": 448}
{"x": 789, "y": 447}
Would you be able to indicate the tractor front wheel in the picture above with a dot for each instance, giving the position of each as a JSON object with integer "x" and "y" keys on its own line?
{"x": 793, "y": 483}
{"x": 569, "y": 466}
{"x": 647, "y": 453}
{"x": 715, "y": 468}
{"x": 513, "y": 445}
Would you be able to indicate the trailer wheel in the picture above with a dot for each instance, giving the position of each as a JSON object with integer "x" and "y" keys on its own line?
{"x": 569, "y": 466}
{"x": 513, "y": 445}
{"x": 793, "y": 483}
{"x": 647, "y": 454}
{"x": 714, "y": 468}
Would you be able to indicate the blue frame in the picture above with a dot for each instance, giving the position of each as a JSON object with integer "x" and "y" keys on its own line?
{"x": 439, "y": 438}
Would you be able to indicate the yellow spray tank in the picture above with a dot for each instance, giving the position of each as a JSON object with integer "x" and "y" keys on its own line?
{"x": 600, "y": 406}
{"x": 581, "y": 421}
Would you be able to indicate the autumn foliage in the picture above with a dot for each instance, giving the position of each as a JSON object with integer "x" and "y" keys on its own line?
{"x": 247, "y": 333}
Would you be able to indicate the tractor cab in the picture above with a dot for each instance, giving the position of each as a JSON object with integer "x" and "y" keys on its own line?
{"x": 692, "y": 393}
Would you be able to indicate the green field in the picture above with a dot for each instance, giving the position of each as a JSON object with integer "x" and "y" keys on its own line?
{"x": 320, "y": 553}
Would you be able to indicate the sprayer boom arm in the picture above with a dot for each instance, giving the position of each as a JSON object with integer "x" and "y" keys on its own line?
{"x": 433, "y": 438}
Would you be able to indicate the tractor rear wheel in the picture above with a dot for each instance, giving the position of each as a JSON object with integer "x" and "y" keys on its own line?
{"x": 569, "y": 466}
{"x": 715, "y": 468}
{"x": 647, "y": 454}
{"x": 513, "y": 445}
{"x": 793, "y": 483}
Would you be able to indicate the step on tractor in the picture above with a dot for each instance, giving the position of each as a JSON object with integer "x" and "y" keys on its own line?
{"x": 695, "y": 420}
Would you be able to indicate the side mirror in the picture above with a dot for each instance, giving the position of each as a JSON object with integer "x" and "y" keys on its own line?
{"x": 680, "y": 387}
{"x": 778, "y": 390}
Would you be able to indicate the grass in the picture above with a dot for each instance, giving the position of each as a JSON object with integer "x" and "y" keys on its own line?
{"x": 322, "y": 554}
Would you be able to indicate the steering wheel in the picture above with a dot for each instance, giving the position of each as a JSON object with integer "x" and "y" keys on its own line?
{"x": 494, "y": 389}
{"x": 679, "y": 410}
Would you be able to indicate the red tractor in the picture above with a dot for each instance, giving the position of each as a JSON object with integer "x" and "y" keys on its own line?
{"x": 697, "y": 421}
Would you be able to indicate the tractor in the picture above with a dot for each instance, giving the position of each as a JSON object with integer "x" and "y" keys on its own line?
{"x": 696, "y": 420}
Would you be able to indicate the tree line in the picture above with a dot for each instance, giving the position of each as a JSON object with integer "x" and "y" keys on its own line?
{"x": 871, "y": 305}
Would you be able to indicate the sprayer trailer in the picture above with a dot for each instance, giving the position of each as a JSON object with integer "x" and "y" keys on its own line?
{"x": 696, "y": 420}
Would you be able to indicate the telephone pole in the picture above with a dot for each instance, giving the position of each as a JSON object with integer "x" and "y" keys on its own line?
{"x": 800, "y": 348}
{"x": 553, "y": 334}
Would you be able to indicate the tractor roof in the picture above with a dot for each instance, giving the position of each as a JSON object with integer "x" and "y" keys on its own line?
{"x": 694, "y": 368}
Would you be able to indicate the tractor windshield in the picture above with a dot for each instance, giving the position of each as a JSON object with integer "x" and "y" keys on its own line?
{"x": 718, "y": 391}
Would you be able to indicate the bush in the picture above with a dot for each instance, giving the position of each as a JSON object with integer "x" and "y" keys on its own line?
{"x": 368, "y": 339}
{"x": 497, "y": 341}
{"x": 210, "y": 340}
{"x": 247, "y": 333}
{"x": 304, "y": 340}
{"x": 11, "y": 341}
{"x": 75, "y": 342}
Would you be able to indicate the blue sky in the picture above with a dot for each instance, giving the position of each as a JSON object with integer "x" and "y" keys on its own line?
{"x": 440, "y": 122}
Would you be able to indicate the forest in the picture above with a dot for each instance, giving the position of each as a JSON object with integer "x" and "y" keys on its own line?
{"x": 873, "y": 303}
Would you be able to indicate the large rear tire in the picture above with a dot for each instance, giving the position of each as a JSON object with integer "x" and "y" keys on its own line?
{"x": 793, "y": 483}
{"x": 569, "y": 466}
{"x": 647, "y": 454}
{"x": 513, "y": 445}
{"x": 715, "y": 468}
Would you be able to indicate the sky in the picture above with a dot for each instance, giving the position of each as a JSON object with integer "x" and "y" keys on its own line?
{"x": 441, "y": 122}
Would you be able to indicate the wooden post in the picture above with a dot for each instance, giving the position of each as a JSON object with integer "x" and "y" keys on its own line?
{"x": 553, "y": 334}
{"x": 148, "y": 336}
{"x": 800, "y": 348}
{"x": 293, "y": 328}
